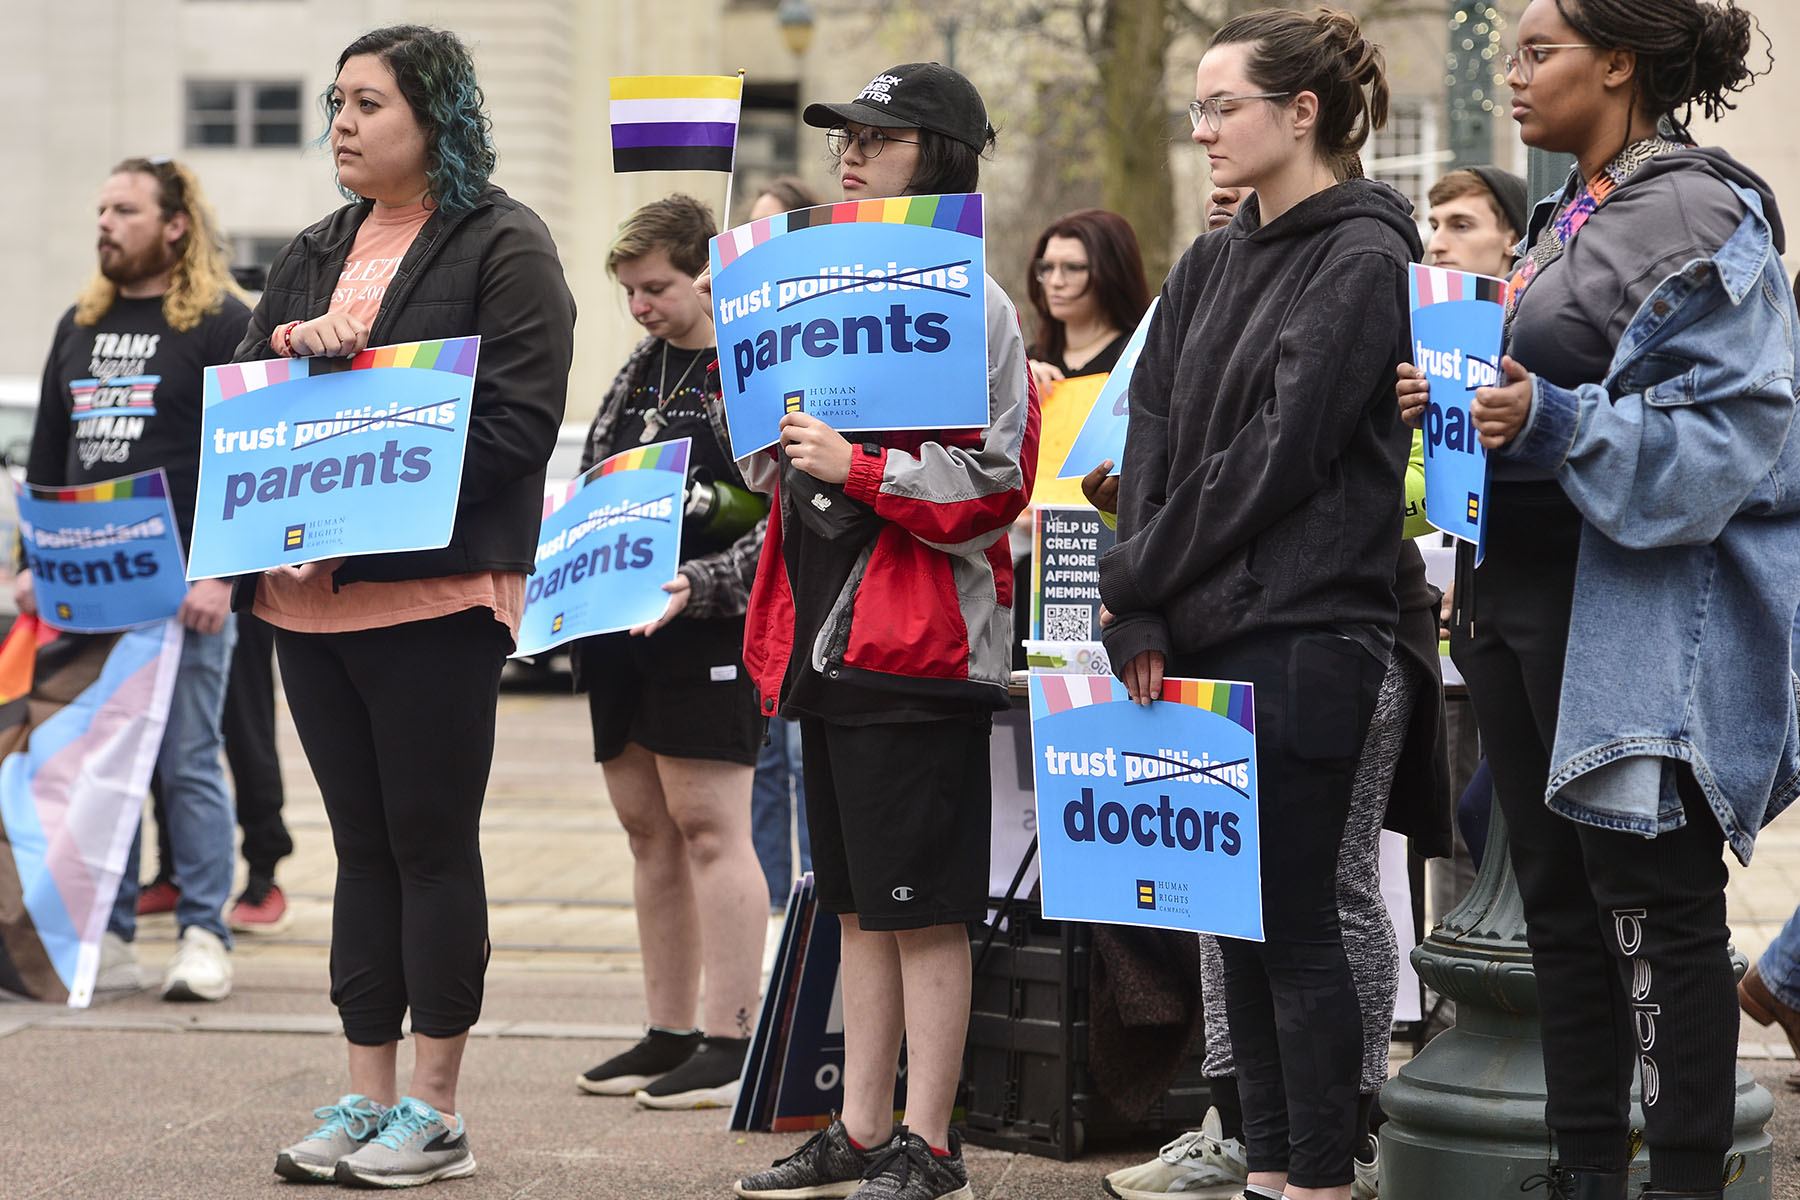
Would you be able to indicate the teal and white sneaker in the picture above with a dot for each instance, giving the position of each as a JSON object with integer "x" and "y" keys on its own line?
{"x": 349, "y": 1124}
{"x": 415, "y": 1145}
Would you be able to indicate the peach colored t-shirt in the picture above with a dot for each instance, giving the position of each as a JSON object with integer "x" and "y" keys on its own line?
{"x": 311, "y": 605}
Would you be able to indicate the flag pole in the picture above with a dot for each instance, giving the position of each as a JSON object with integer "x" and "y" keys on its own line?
{"x": 731, "y": 176}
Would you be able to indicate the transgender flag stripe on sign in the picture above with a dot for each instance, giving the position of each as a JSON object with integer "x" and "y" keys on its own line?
{"x": 1435, "y": 285}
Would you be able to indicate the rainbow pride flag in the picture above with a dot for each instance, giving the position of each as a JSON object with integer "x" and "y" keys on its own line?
{"x": 956, "y": 213}
{"x": 674, "y": 122}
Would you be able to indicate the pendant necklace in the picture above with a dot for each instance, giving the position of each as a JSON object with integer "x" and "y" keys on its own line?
{"x": 654, "y": 421}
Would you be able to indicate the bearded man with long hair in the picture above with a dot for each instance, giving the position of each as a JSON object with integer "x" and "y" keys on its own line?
{"x": 122, "y": 395}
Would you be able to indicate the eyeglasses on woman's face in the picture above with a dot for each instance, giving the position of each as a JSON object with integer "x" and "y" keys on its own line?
{"x": 869, "y": 141}
{"x": 1045, "y": 270}
{"x": 1528, "y": 58}
{"x": 1214, "y": 109}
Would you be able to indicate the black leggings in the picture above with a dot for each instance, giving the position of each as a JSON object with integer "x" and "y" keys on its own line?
{"x": 1296, "y": 1024}
{"x": 1628, "y": 936}
{"x": 398, "y": 725}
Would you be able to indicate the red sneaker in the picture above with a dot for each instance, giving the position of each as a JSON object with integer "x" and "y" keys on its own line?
{"x": 261, "y": 909}
{"x": 159, "y": 897}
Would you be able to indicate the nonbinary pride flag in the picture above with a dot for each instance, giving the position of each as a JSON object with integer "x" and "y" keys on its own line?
{"x": 674, "y": 122}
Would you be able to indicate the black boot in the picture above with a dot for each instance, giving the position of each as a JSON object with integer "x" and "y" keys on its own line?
{"x": 1578, "y": 1183}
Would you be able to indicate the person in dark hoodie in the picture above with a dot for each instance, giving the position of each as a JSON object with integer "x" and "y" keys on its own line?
{"x": 1627, "y": 639}
{"x": 1259, "y": 520}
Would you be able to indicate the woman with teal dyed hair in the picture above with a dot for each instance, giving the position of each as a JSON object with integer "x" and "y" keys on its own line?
{"x": 392, "y": 661}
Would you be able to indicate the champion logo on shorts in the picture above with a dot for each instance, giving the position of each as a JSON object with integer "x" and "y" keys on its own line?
{"x": 903, "y": 893}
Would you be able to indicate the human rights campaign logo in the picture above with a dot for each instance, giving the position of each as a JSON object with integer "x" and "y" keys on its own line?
{"x": 794, "y": 402}
{"x": 1146, "y": 894}
{"x": 556, "y": 623}
{"x": 294, "y": 537}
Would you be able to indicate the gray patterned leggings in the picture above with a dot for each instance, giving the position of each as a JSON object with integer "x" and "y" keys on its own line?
{"x": 1369, "y": 941}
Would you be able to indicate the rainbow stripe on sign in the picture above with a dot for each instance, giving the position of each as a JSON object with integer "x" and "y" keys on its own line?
{"x": 453, "y": 355}
{"x": 674, "y": 122}
{"x": 137, "y": 487}
{"x": 1233, "y": 701}
{"x": 658, "y": 456}
{"x": 958, "y": 214}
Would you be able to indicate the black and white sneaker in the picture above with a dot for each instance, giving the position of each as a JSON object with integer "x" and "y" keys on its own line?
{"x": 657, "y": 1053}
{"x": 707, "y": 1080}
{"x": 908, "y": 1170}
{"x": 826, "y": 1165}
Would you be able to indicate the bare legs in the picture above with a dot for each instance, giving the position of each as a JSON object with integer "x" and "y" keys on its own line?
{"x": 437, "y": 1062}
{"x": 689, "y": 824}
{"x": 911, "y": 981}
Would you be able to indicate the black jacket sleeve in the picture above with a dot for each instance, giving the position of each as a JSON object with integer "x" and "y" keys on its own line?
{"x": 47, "y": 463}
{"x": 526, "y": 318}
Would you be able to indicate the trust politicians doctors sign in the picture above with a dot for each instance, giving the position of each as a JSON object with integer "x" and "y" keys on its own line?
{"x": 302, "y": 459}
{"x": 870, "y": 315}
{"x": 1147, "y": 814}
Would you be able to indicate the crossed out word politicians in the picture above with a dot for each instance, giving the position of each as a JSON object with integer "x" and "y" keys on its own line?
{"x": 391, "y": 464}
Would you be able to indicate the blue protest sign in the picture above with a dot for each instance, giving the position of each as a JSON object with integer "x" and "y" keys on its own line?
{"x": 1102, "y": 435}
{"x": 303, "y": 459}
{"x": 1147, "y": 814}
{"x": 870, "y": 315}
{"x": 609, "y": 542}
{"x": 103, "y": 556}
{"x": 1458, "y": 322}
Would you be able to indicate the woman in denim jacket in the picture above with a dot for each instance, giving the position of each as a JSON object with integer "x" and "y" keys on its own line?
{"x": 1628, "y": 643}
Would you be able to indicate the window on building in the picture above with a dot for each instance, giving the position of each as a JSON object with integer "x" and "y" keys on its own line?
{"x": 769, "y": 142}
{"x": 244, "y": 113}
{"x": 1404, "y": 153}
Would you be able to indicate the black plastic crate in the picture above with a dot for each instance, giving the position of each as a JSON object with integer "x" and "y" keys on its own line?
{"x": 1026, "y": 1086}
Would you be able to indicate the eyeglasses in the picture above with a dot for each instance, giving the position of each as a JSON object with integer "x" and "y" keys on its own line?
{"x": 869, "y": 141}
{"x": 1211, "y": 108}
{"x": 1527, "y": 59}
{"x": 1068, "y": 270}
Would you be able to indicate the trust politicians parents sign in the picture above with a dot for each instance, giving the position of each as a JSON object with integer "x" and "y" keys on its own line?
{"x": 870, "y": 315}
{"x": 302, "y": 459}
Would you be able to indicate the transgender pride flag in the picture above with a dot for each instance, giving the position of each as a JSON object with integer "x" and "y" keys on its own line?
{"x": 675, "y": 122}
{"x": 81, "y": 719}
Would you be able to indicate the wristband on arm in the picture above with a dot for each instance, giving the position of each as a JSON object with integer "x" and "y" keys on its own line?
{"x": 282, "y": 340}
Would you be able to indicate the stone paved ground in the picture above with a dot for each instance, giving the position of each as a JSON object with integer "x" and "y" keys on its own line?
{"x": 138, "y": 1099}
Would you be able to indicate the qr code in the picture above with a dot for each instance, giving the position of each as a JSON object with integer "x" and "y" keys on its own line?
{"x": 1068, "y": 623}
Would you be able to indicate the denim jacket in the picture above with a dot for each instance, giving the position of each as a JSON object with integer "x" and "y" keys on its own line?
{"x": 1681, "y": 635}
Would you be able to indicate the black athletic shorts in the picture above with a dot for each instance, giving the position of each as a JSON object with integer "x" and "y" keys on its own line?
{"x": 898, "y": 813}
{"x": 681, "y": 692}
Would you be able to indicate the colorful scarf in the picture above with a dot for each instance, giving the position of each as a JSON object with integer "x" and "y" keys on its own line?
{"x": 1560, "y": 232}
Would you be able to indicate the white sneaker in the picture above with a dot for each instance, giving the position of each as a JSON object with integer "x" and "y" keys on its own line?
{"x": 201, "y": 968}
{"x": 1367, "y": 1185}
{"x": 1198, "y": 1165}
{"x": 118, "y": 965}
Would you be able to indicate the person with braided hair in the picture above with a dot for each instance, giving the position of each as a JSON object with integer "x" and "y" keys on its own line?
{"x": 1628, "y": 638}
{"x": 1259, "y": 525}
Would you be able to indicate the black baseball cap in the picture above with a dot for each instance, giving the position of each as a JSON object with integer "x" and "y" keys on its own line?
{"x": 921, "y": 95}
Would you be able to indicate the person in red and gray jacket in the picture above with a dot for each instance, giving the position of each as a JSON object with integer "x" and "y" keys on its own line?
{"x": 881, "y": 619}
